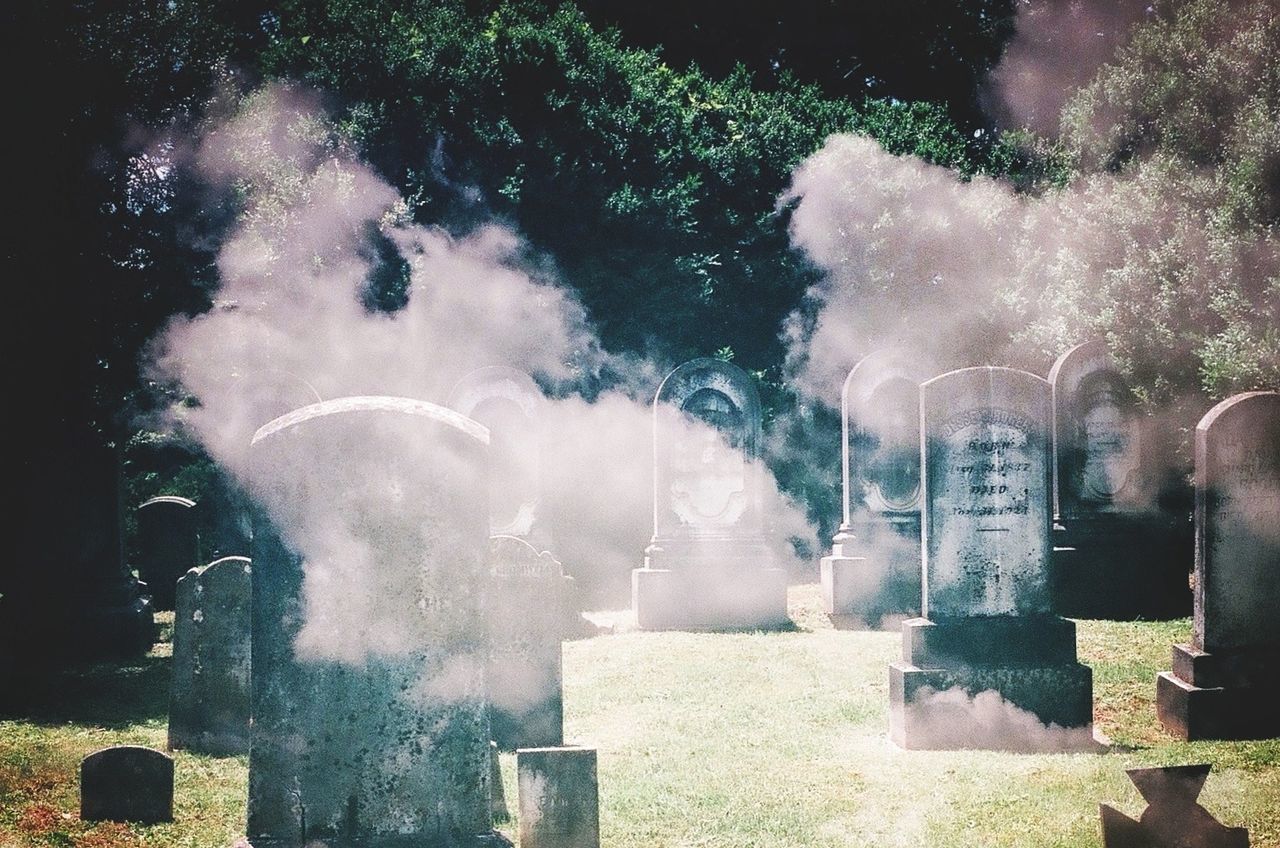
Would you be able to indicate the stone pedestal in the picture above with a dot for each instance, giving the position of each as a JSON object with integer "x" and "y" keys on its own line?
{"x": 1220, "y": 695}
{"x": 559, "y": 798}
{"x": 862, "y": 582}
{"x": 1029, "y": 660}
{"x": 692, "y": 591}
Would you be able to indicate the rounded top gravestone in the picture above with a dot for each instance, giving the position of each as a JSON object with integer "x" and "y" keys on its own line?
{"x": 986, "y": 493}
{"x": 168, "y": 545}
{"x": 706, "y": 439}
{"x": 508, "y": 403}
{"x": 1237, "y": 586}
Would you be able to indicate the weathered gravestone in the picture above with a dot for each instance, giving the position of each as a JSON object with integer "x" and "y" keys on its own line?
{"x": 708, "y": 565}
{"x": 987, "y": 622}
{"x": 874, "y": 567}
{"x": 1172, "y": 818}
{"x": 1116, "y": 554}
{"x": 1226, "y": 683}
{"x": 370, "y": 725}
{"x": 527, "y": 607}
{"x": 559, "y": 798}
{"x": 507, "y": 402}
{"x": 126, "y": 783}
{"x": 168, "y": 545}
{"x": 209, "y": 694}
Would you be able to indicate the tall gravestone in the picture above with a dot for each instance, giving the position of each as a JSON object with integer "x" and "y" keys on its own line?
{"x": 987, "y": 620}
{"x": 1117, "y": 553}
{"x": 209, "y": 693}
{"x": 168, "y": 545}
{"x": 528, "y": 605}
{"x": 507, "y": 402}
{"x": 1225, "y": 684}
{"x": 369, "y": 719}
{"x": 709, "y": 565}
{"x": 874, "y": 567}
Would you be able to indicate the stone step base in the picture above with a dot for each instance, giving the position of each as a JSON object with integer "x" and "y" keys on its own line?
{"x": 688, "y": 599}
{"x": 1192, "y": 712}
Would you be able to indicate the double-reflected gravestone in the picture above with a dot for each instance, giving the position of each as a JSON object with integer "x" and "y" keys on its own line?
{"x": 708, "y": 565}
{"x": 988, "y": 624}
{"x": 527, "y": 607}
{"x": 874, "y": 567}
{"x": 209, "y": 694}
{"x": 370, "y": 724}
{"x": 1226, "y": 683}
{"x": 1117, "y": 554}
{"x": 168, "y": 545}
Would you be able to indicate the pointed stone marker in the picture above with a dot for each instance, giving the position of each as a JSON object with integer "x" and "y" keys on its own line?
{"x": 1172, "y": 818}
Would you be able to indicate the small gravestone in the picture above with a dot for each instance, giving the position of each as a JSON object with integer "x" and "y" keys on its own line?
{"x": 127, "y": 783}
{"x": 709, "y": 565}
{"x": 1172, "y": 818}
{"x": 1225, "y": 684}
{"x": 988, "y": 624}
{"x": 526, "y": 608}
{"x": 874, "y": 567}
{"x": 168, "y": 545}
{"x": 559, "y": 798}
{"x": 209, "y": 694}
{"x": 1116, "y": 553}
{"x": 370, "y": 725}
{"x": 508, "y": 403}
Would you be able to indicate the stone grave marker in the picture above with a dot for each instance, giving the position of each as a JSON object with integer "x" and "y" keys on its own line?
{"x": 527, "y": 608}
{"x": 1225, "y": 684}
{"x": 559, "y": 797}
{"x": 709, "y": 565}
{"x": 209, "y": 695}
{"x": 369, "y": 719}
{"x": 168, "y": 545}
{"x": 127, "y": 783}
{"x": 987, "y": 621}
{"x": 874, "y": 567}
{"x": 1117, "y": 554}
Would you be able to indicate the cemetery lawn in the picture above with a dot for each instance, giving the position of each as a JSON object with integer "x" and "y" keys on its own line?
{"x": 724, "y": 740}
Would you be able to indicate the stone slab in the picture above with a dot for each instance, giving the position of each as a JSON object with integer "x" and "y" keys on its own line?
{"x": 995, "y": 641}
{"x": 127, "y": 783}
{"x": 559, "y": 797}
{"x": 702, "y": 599}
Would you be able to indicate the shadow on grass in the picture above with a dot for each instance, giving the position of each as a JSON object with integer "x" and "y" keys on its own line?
{"x": 113, "y": 695}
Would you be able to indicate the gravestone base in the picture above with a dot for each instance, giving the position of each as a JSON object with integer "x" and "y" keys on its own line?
{"x": 1029, "y": 661}
{"x": 1121, "y": 569}
{"x": 700, "y": 598}
{"x": 491, "y": 839}
{"x": 861, "y": 591}
{"x": 1220, "y": 695}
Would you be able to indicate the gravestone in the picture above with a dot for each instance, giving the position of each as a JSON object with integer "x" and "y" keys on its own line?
{"x": 709, "y": 565}
{"x": 1225, "y": 684}
{"x": 527, "y": 608}
{"x": 168, "y": 545}
{"x": 559, "y": 798}
{"x": 209, "y": 694}
{"x": 874, "y": 567}
{"x": 1117, "y": 553}
{"x": 126, "y": 783}
{"x": 1172, "y": 818}
{"x": 369, "y": 720}
{"x": 987, "y": 620}
{"x": 508, "y": 403}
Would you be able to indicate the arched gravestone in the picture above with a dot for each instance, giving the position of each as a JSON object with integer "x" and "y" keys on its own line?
{"x": 209, "y": 694}
{"x": 369, "y": 719}
{"x": 126, "y": 783}
{"x": 708, "y": 565}
{"x": 1116, "y": 555}
{"x": 527, "y": 608}
{"x": 988, "y": 624}
{"x": 168, "y": 545}
{"x": 1226, "y": 683}
{"x": 507, "y": 402}
{"x": 874, "y": 567}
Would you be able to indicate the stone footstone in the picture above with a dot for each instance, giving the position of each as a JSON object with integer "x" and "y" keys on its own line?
{"x": 1225, "y": 684}
{"x": 988, "y": 625}
{"x": 127, "y": 783}
{"x": 209, "y": 694}
{"x": 559, "y": 797}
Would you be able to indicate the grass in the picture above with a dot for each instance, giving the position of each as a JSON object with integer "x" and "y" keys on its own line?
{"x": 742, "y": 740}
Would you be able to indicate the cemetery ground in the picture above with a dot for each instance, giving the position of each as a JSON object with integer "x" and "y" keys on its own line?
{"x": 742, "y": 739}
